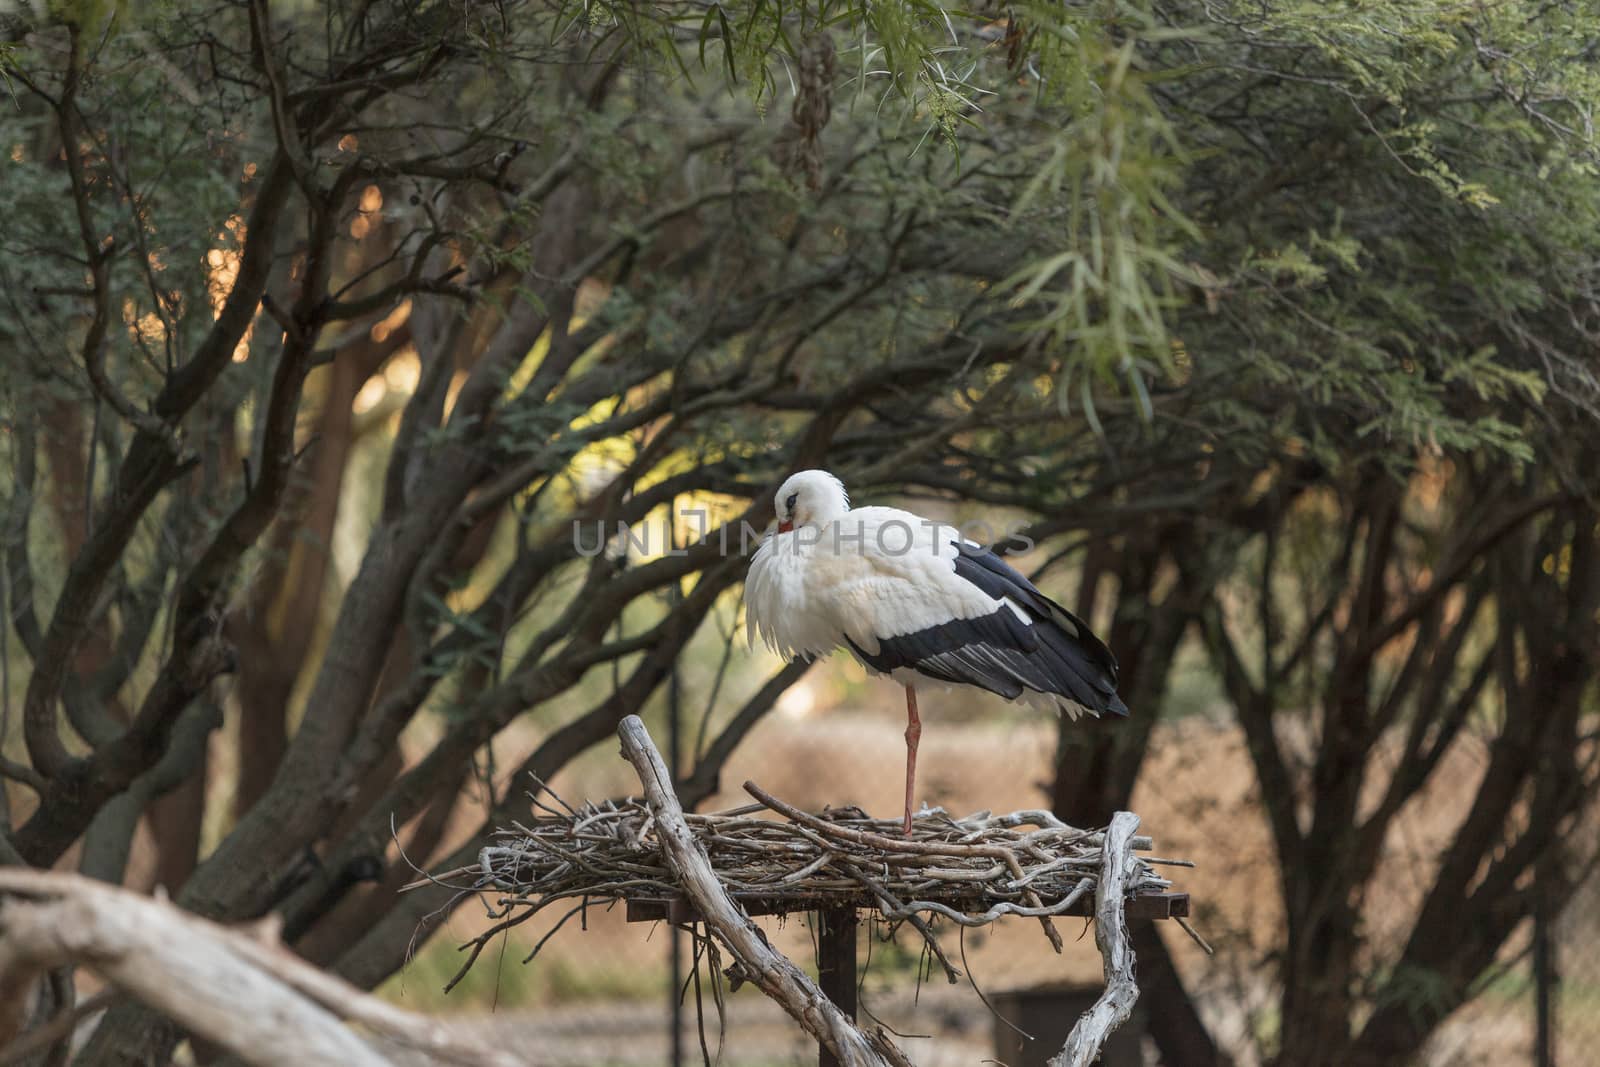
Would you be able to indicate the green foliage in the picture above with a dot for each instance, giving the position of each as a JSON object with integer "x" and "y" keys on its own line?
{"x": 8, "y": 58}
{"x": 1112, "y": 167}
{"x": 173, "y": 205}
{"x": 1388, "y": 265}
{"x": 90, "y": 15}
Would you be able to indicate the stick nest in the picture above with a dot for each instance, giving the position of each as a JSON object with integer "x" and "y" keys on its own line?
{"x": 948, "y": 866}
{"x": 970, "y": 871}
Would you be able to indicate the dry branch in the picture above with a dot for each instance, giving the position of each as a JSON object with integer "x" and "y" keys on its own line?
{"x": 1032, "y": 904}
{"x": 1116, "y": 949}
{"x": 766, "y": 967}
{"x": 237, "y": 987}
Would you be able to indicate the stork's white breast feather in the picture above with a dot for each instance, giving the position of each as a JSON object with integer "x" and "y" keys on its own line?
{"x": 872, "y": 574}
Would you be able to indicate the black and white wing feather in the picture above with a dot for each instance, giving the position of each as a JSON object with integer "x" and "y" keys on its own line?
{"x": 1029, "y": 647}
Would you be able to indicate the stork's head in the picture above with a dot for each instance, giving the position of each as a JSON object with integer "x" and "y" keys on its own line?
{"x": 810, "y": 498}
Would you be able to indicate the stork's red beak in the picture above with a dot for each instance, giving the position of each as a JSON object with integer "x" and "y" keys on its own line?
{"x": 785, "y": 527}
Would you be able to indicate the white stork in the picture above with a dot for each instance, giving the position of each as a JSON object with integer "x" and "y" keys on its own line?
{"x": 910, "y": 598}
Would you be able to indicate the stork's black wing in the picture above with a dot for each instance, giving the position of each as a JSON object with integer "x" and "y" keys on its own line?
{"x": 1039, "y": 646}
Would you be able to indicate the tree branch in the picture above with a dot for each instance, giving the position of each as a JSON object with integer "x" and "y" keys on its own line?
{"x": 1255, "y": 715}
{"x": 1116, "y": 948}
{"x": 238, "y": 988}
{"x": 779, "y": 979}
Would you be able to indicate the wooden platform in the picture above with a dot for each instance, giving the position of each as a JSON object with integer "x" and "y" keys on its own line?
{"x": 838, "y": 922}
{"x": 678, "y": 911}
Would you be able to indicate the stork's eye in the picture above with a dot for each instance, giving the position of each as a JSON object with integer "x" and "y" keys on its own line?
{"x": 788, "y": 505}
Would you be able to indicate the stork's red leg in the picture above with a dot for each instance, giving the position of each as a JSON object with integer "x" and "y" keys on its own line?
{"x": 913, "y": 732}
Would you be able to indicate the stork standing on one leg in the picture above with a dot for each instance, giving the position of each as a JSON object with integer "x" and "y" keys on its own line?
{"x": 910, "y": 598}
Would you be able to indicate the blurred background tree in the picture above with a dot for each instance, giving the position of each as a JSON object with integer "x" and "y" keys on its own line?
{"x": 326, "y": 327}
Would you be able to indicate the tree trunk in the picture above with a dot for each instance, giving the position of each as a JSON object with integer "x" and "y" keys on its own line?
{"x": 176, "y": 820}
{"x": 1317, "y": 984}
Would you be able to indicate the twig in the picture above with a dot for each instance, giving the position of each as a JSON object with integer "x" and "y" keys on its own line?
{"x": 891, "y": 844}
{"x": 60, "y": 1025}
{"x": 1194, "y": 935}
{"x": 892, "y": 908}
{"x": 979, "y": 990}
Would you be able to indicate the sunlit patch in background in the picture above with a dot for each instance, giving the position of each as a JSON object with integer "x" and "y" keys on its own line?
{"x": 222, "y": 271}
